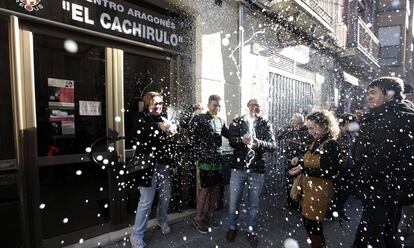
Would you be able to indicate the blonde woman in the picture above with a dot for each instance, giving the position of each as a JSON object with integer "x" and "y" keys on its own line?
{"x": 320, "y": 165}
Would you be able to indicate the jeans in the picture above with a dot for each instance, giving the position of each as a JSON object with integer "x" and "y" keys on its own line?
{"x": 160, "y": 180}
{"x": 254, "y": 182}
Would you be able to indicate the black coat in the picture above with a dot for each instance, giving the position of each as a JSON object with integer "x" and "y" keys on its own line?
{"x": 154, "y": 147}
{"x": 296, "y": 142}
{"x": 264, "y": 134}
{"x": 206, "y": 134}
{"x": 384, "y": 155}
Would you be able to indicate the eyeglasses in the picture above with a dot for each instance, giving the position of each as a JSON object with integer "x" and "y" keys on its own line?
{"x": 158, "y": 103}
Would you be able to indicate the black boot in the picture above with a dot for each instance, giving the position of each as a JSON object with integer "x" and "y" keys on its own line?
{"x": 317, "y": 241}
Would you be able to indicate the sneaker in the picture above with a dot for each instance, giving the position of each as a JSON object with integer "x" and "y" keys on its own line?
{"x": 165, "y": 228}
{"x": 136, "y": 243}
{"x": 252, "y": 239}
{"x": 212, "y": 221}
{"x": 231, "y": 235}
{"x": 199, "y": 225}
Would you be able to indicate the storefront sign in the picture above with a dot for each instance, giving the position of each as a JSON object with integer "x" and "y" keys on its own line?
{"x": 118, "y": 18}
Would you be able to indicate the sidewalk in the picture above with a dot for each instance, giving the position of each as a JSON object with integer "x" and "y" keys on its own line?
{"x": 276, "y": 224}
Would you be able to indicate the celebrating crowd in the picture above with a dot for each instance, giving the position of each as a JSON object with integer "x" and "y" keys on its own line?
{"x": 328, "y": 158}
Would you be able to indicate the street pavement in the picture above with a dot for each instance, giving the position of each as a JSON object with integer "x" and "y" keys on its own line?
{"x": 276, "y": 225}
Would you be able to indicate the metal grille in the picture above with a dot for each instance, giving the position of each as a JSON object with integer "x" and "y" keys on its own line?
{"x": 287, "y": 96}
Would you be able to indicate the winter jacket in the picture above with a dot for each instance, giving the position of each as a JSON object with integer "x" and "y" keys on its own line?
{"x": 320, "y": 167}
{"x": 154, "y": 147}
{"x": 329, "y": 163}
{"x": 384, "y": 155}
{"x": 346, "y": 142}
{"x": 205, "y": 132}
{"x": 296, "y": 142}
{"x": 263, "y": 132}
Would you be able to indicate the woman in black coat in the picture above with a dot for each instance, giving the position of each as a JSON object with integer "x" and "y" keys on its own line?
{"x": 152, "y": 160}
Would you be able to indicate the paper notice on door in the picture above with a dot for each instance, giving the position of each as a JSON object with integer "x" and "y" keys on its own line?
{"x": 90, "y": 108}
{"x": 61, "y": 93}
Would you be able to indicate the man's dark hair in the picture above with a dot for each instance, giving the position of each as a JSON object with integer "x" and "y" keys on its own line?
{"x": 389, "y": 84}
{"x": 251, "y": 100}
{"x": 214, "y": 98}
{"x": 346, "y": 117}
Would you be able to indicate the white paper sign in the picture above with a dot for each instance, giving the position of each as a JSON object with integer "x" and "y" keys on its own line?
{"x": 90, "y": 108}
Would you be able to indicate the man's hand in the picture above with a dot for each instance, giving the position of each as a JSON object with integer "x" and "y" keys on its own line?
{"x": 247, "y": 139}
{"x": 295, "y": 170}
{"x": 169, "y": 129}
{"x": 198, "y": 106}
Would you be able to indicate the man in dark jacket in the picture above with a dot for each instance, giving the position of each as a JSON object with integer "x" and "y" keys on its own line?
{"x": 296, "y": 137}
{"x": 251, "y": 136}
{"x": 384, "y": 166}
{"x": 206, "y": 131}
{"x": 349, "y": 126}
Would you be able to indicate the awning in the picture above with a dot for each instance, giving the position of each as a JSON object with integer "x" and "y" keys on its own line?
{"x": 351, "y": 79}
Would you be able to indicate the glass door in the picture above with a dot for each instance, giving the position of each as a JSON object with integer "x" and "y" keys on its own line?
{"x": 9, "y": 196}
{"x": 72, "y": 192}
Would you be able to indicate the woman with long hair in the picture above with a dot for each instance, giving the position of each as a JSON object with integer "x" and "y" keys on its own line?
{"x": 319, "y": 167}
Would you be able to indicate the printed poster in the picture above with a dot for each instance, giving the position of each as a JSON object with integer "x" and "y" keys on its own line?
{"x": 61, "y": 106}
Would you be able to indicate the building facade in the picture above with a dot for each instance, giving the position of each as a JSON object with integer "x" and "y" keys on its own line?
{"x": 358, "y": 61}
{"x": 395, "y": 32}
{"x": 77, "y": 71}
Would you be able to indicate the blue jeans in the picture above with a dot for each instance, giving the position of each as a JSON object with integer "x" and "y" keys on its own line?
{"x": 254, "y": 182}
{"x": 160, "y": 180}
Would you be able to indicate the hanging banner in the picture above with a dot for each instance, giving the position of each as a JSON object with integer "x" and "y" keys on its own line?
{"x": 117, "y": 18}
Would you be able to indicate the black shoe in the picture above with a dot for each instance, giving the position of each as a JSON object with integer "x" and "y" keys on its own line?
{"x": 252, "y": 239}
{"x": 231, "y": 235}
{"x": 213, "y": 222}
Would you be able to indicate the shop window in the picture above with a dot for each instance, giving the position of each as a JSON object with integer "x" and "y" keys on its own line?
{"x": 70, "y": 95}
